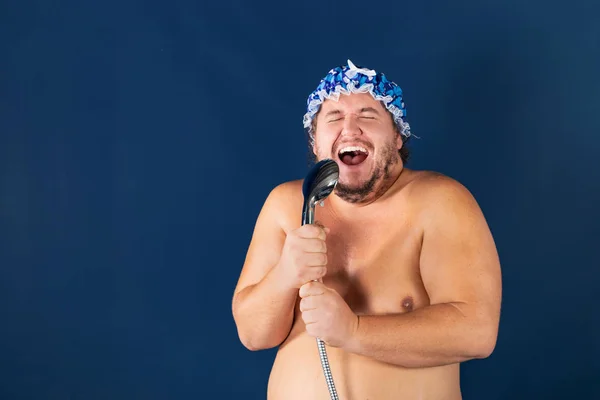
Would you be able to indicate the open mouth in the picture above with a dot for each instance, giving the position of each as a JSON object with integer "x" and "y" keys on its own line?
{"x": 353, "y": 155}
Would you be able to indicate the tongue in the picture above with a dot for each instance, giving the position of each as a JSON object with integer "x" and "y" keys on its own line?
{"x": 353, "y": 158}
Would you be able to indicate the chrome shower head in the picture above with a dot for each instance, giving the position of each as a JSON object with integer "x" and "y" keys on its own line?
{"x": 318, "y": 184}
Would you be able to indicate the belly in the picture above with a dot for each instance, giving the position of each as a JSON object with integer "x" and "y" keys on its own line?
{"x": 297, "y": 374}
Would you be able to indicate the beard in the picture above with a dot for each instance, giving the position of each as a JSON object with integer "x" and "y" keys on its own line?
{"x": 361, "y": 192}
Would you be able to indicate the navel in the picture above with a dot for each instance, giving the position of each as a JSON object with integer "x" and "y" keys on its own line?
{"x": 407, "y": 303}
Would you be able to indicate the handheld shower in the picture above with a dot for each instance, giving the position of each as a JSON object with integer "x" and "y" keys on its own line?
{"x": 318, "y": 184}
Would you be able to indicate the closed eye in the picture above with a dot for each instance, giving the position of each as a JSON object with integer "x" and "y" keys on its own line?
{"x": 369, "y": 113}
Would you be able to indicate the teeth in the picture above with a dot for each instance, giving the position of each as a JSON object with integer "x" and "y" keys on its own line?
{"x": 348, "y": 149}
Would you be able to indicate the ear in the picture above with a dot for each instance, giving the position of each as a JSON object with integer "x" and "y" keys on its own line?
{"x": 399, "y": 142}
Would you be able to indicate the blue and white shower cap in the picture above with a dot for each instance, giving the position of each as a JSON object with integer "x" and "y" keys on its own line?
{"x": 350, "y": 79}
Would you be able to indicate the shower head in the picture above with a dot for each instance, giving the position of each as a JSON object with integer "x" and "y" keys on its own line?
{"x": 318, "y": 184}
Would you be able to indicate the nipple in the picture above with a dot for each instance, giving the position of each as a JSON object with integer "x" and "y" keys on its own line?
{"x": 407, "y": 303}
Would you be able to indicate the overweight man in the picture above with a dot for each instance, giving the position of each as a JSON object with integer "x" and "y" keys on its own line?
{"x": 399, "y": 275}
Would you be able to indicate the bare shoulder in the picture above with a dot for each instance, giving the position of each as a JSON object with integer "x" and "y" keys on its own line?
{"x": 288, "y": 190}
{"x": 285, "y": 202}
{"x": 435, "y": 195}
{"x": 432, "y": 183}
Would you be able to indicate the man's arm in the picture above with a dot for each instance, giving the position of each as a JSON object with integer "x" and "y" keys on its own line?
{"x": 461, "y": 273}
{"x": 262, "y": 310}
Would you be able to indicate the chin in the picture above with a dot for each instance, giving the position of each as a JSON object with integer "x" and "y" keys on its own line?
{"x": 356, "y": 190}
{"x": 356, "y": 177}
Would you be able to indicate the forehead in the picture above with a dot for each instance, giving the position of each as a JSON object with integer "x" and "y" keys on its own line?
{"x": 350, "y": 102}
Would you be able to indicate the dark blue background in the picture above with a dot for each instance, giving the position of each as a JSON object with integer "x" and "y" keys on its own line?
{"x": 138, "y": 140}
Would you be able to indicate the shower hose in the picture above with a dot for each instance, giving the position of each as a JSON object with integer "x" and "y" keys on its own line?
{"x": 309, "y": 219}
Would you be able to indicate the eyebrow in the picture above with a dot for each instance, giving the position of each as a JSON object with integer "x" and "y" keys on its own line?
{"x": 333, "y": 112}
{"x": 369, "y": 109}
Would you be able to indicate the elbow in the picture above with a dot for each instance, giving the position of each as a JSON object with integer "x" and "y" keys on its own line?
{"x": 255, "y": 344}
{"x": 243, "y": 332}
{"x": 252, "y": 339}
{"x": 480, "y": 331}
{"x": 485, "y": 340}
{"x": 246, "y": 336}
{"x": 255, "y": 334}
{"x": 484, "y": 349}
{"x": 248, "y": 343}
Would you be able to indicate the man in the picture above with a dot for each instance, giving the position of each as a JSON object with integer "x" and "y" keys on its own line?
{"x": 399, "y": 276}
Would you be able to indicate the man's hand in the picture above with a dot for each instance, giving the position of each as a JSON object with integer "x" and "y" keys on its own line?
{"x": 326, "y": 315}
{"x": 303, "y": 257}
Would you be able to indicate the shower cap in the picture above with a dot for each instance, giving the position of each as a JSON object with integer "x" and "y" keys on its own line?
{"x": 351, "y": 79}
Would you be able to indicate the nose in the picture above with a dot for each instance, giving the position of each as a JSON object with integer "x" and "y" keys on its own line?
{"x": 351, "y": 126}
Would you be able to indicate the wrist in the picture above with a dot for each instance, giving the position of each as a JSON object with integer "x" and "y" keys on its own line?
{"x": 279, "y": 281}
{"x": 353, "y": 343}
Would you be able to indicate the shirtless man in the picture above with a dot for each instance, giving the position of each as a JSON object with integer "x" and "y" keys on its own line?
{"x": 399, "y": 277}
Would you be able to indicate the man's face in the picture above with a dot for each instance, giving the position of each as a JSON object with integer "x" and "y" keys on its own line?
{"x": 358, "y": 133}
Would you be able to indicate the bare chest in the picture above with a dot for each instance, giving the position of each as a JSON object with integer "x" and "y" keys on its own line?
{"x": 375, "y": 266}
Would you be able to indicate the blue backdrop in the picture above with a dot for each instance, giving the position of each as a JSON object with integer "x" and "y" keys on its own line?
{"x": 138, "y": 140}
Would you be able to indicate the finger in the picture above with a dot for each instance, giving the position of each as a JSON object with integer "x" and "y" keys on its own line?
{"x": 308, "y": 303}
{"x": 314, "y": 245}
{"x": 311, "y": 330}
{"x": 309, "y": 317}
{"x": 315, "y": 259}
{"x": 310, "y": 231}
{"x": 305, "y": 304}
{"x": 314, "y": 273}
{"x": 318, "y": 273}
{"x": 320, "y": 225}
{"x": 311, "y": 289}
